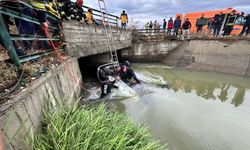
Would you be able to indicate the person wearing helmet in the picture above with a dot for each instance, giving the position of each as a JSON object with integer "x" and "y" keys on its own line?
{"x": 107, "y": 85}
{"x": 127, "y": 73}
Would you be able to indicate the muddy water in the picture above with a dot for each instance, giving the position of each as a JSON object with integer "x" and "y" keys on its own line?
{"x": 196, "y": 111}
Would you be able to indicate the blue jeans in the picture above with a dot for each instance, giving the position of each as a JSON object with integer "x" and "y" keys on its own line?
{"x": 124, "y": 25}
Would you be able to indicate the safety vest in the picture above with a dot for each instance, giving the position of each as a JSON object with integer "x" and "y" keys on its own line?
{"x": 37, "y": 4}
{"x": 89, "y": 17}
{"x": 124, "y": 18}
{"x": 53, "y": 5}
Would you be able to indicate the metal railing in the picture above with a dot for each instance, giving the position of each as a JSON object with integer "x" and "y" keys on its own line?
{"x": 114, "y": 20}
{"x": 15, "y": 11}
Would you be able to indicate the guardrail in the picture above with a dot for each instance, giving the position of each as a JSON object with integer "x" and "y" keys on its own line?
{"x": 16, "y": 11}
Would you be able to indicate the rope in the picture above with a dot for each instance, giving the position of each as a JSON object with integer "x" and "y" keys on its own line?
{"x": 73, "y": 77}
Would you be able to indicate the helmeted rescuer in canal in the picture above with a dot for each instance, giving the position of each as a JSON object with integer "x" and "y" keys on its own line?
{"x": 107, "y": 85}
{"x": 124, "y": 20}
{"x": 126, "y": 73}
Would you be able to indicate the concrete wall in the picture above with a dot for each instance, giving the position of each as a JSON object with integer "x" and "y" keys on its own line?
{"x": 84, "y": 40}
{"x": 26, "y": 112}
{"x": 213, "y": 55}
{"x": 151, "y": 51}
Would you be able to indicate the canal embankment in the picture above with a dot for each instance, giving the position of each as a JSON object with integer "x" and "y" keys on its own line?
{"x": 24, "y": 110}
{"x": 225, "y": 56}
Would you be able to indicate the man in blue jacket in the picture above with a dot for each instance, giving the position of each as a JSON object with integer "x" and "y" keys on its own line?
{"x": 177, "y": 25}
{"x": 246, "y": 25}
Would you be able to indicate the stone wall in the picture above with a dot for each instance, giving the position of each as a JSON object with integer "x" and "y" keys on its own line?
{"x": 226, "y": 56}
{"x": 27, "y": 105}
{"x": 85, "y": 40}
{"x": 151, "y": 51}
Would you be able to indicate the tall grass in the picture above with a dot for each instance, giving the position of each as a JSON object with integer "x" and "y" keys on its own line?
{"x": 84, "y": 128}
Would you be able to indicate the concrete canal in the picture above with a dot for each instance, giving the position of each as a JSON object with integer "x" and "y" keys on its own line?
{"x": 191, "y": 110}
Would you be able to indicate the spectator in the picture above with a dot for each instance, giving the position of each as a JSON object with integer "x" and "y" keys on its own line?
{"x": 200, "y": 23}
{"x": 170, "y": 26}
{"x": 230, "y": 23}
{"x": 164, "y": 26}
{"x": 210, "y": 24}
{"x": 89, "y": 17}
{"x": 155, "y": 26}
{"x": 65, "y": 9}
{"x": 246, "y": 25}
{"x": 124, "y": 20}
{"x": 150, "y": 26}
{"x": 218, "y": 21}
{"x": 177, "y": 25}
{"x": 76, "y": 11}
{"x": 186, "y": 27}
{"x": 147, "y": 27}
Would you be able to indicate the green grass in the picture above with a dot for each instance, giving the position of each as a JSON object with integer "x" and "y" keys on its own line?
{"x": 84, "y": 128}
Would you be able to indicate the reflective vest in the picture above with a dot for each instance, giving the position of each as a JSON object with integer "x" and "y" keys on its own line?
{"x": 53, "y": 5}
{"x": 89, "y": 17}
{"x": 38, "y": 4}
{"x": 124, "y": 18}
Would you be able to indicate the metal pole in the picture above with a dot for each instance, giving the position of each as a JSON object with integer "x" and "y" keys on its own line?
{"x": 7, "y": 43}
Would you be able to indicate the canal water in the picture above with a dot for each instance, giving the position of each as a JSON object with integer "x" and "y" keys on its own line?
{"x": 191, "y": 110}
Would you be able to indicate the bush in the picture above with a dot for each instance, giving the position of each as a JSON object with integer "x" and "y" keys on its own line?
{"x": 83, "y": 128}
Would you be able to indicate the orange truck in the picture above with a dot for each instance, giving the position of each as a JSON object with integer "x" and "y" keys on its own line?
{"x": 239, "y": 22}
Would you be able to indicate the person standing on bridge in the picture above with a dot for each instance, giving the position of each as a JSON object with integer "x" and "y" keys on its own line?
{"x": 246, "y": 25}
{"x": 164, "y": 26}
{"x": 124, "y": 20}
{"x": 218, "y": 21}
{"x": 200, "y": 23}
{"x": 177, "y": 26}
{"x": 89, "y": 19}
{"x": 186, "y": 27}
{"x": 170, "y": 26}
{"x": 230, "y": 23}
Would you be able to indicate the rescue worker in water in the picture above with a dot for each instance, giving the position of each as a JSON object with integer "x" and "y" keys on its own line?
{"x": 127, "y": 74}
{"x": 107, "y": 85}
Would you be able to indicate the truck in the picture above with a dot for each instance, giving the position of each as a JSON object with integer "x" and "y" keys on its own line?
{"x": 209, "y": 15}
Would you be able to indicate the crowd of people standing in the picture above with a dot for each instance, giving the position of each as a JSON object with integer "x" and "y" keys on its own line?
{"x": 220, "y": 25}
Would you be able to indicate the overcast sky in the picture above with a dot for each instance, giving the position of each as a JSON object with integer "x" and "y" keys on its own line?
{"x": 146, "y": 10}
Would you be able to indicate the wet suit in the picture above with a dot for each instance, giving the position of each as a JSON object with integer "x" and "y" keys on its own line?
{"x": 128, "y": 73}
{"x": 106, "y": 87}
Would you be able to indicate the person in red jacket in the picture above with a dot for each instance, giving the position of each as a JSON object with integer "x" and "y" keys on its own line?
{"x": 170, "y": 26}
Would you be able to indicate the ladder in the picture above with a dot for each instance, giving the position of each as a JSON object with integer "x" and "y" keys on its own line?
{"x": 109, "y": 33}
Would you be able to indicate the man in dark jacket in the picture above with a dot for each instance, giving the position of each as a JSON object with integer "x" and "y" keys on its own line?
{"x": 164, "y": 26}
{"x": 230, "y": 23}
{"x": 200, "y": 23}
{"x": 177, "y": 25}
{"x": 170, "y": 26}
{"x": 186, "y": 27}
{"x": 107, "y": 85}
{"x": 218, "y": 21}
{"x": 246, "y": 25}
